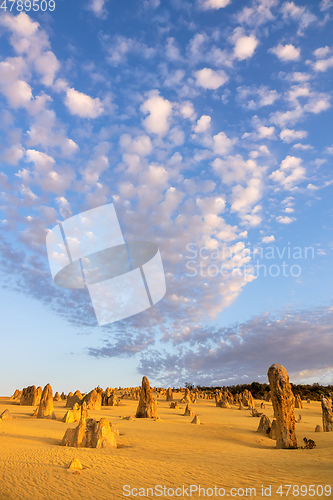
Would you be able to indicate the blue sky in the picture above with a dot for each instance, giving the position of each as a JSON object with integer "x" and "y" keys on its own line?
{"x": 208, "y": 124}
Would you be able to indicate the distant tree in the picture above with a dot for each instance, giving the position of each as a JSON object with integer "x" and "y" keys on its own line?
{"x": 189, "y": 386}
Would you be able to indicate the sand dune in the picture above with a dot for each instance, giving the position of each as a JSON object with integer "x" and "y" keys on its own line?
{"x": 224, "y": 451}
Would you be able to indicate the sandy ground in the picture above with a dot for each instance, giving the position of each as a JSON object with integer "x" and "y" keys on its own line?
{"x": 225, "y": 451}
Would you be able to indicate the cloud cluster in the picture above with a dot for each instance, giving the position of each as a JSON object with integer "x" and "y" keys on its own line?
{"x": 192, "y": 152}
{"x": 301, "y": 341}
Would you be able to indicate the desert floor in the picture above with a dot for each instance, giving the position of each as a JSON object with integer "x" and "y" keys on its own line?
{"x": 225, "y": 451}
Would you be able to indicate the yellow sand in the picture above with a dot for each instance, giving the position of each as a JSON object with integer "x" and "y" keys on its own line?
{"x": 224, "y": 451}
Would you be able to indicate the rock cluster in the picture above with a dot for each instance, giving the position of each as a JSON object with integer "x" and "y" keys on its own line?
{"x": 90, "y": 433}
{"x": 72, "y": 415}
{"x": 31, "y": 396}
{"x": 72, "y": 400}
{"x": 247, "y": 399}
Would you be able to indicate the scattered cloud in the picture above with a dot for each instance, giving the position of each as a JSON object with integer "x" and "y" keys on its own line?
{"x": 245, "y": 351}
{"x": 285, "y": 219}
{"x": 83, "y": 105}
{"x": 301, "y": 15}
{"x": 210, "y": 79}
{"x": 266, "y": 132}
{"x": 286, "y": 52}
{"x": 97, "y": 7}
{"x": 159, "y": 112}
{"x": 289, "y": 135}
{"x": 213, "y": 4}
{"x": 203, "y": 124}
{"x": 268, "y": 239}
{"x": 245, "y": 47}
{"x": 222, "y": 144}
{"x": 290, "y": 173}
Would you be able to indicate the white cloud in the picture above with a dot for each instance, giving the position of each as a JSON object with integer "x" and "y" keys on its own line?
{"x": 203, "y": 124}
{"x": 290, "y": 117}
{"x": 322, "y": 52}
{"x": 222, "y": 144}
{"x": 159, "y": 112}
{"x": 253, "y": 97}
{"x": 235, "y": 169}
{"x": 286, "y": 52}
{"x": 262, "y": 151}
{"x": 213, "y": 4}
{"x": 13, "y": 154}
{"x": 290, "y": 172}
{"x": 318, "y": 103}
{"x": 326, "y": 5}
{"x": 300, "y": 14}
{"x": 312, "y": 187}
{"x": 300, "y": 77}
{"x": 303, "y": 147}
{"x": 210, "y": 79}
{"x": 176, "y": 136}
{"x": 172, "y": 51}
{"x": 268, "y": 239}
{"x": 19, "y": 94}
{"x": 83, "y": 105}
{"x": 47, "y": 66}
{"x": 259, "y": 13}
{"x": 245, "y": 47}
{"x": 289, "y": 135}
{"x": 244, "y": 197}
{"x": 187, "y": 110}
{"x": 42, "y": 161}
{"x": 98, "y": 163}
{"x": 21, "y": 24}
{"x": 285, "y": 219}
{"x": 64, "y": 207}
{"x": 212, "y": 205}
{"x": 323, "y": 64}
{"x": 266, "y": 132}
{"x": 121, "y": 46}
{"x": 140, "y": 145}
{"x": 97, "y": 7}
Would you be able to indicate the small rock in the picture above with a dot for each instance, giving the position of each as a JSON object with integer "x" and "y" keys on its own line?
{"x": 5, "y": 415}
{"x": 188, "y": 412}
{"x": 264, "y": 426}
{"x": 196, "y": 420}
{"x": 75, "y": 464}
{"x": 272, "y": 432}
{"x": 318, "y": 428}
